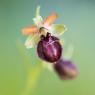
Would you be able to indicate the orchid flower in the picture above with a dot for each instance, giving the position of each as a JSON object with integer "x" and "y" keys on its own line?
{"x": 45, "y": 35}
{"x": 34, "y": 33}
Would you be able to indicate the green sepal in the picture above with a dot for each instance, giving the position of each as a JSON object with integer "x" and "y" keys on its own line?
{"x": 58, "y": 29}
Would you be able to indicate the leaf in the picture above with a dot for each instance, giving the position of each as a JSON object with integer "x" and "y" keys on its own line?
{"x": 58, "y": 29}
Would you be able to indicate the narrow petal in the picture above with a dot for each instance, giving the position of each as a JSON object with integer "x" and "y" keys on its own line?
{"x": 29, "y": 30}
{"x": 38, "y": 19}
{"x": 50, "y": 19}
{"x": 58, "y": 29}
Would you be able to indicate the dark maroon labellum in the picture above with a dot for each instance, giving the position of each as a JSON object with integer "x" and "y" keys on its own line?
{"x": 49, "y": 48}
{"x": 65, "y": 69}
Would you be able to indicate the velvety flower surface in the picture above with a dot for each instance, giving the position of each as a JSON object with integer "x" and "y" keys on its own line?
{"x": 49, "y": 48}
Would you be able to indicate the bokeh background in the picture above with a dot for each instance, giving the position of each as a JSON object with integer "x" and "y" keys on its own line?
{"x": 78, "y": 16}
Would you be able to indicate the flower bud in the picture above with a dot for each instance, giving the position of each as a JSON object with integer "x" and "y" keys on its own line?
{"x": 65, "y": 69}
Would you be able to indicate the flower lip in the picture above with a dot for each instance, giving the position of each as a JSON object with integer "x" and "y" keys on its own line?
{"x": 50, "y": 39}
{"x": 49, "y": 48}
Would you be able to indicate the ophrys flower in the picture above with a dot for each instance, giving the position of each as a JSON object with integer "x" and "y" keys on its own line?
{"x": 40, "y": 27}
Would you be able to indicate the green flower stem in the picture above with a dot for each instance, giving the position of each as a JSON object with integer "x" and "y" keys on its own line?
{"x": 32, "y": 72}
{"x": 32, "y": 79}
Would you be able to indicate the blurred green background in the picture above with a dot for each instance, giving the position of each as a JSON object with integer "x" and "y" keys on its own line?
{"x": 77, "y": 15}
